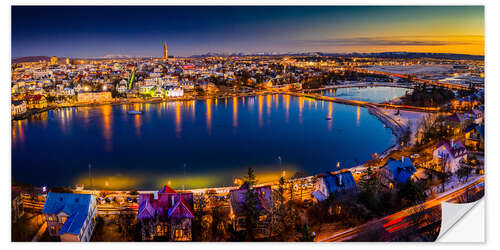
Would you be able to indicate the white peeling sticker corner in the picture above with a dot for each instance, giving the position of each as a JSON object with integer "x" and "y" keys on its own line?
{"x": 451, "y": 213}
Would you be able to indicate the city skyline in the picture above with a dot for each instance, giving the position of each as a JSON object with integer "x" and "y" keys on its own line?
{"x": 95, "y": 31}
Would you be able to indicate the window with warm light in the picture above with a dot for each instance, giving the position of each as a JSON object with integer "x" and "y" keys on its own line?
{"x": 178, "y": 233}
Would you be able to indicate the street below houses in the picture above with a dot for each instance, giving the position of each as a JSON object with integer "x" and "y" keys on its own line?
{"x": 410, "y": 220}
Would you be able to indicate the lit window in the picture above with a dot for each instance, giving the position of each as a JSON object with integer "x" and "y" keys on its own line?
{"x": 178, "y": 233}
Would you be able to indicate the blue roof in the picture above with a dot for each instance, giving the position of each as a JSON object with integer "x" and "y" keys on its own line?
{"x": 76, "y": 206}
{"x": 401, "y": 170}
{"x": 480, "y": 129}
{"x": 339, "y": 183}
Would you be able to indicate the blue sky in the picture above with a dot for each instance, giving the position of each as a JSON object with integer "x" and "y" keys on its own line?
{"x": 87, "y": 31}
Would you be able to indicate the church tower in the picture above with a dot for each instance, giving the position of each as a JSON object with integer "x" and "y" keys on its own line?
{"x": 164, "y": 55}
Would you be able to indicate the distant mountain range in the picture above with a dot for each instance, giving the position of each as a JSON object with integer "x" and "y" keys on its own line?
{"x": 30, "y": 59}
{"x": 377, "y": 55}
{"x": 211, "y": 54}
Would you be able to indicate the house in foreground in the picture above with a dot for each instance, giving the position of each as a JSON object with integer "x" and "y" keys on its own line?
{"x": 264, "y": 203}
{"x": 474, "y": 137}
{"x": 450, "y": 153}
{"x": 71, "y": 217}
{"x": 397, "y": 172}
{"x": 339, "y": 185}
{"x": 166, "y": 215}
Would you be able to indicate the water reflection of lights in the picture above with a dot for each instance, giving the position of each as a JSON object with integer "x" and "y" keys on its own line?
{"x": 260, "y": 103}
{"x": 137, "y": 124}
{"x": 235, "y": 112}
{"x": 358, "y": 114}
{"x": 107, "y": 132}
{"x": 330, "y": 114}
{"x": 301, "y": 107}
{"x": 209, "y": 115}
{"x": 268, "y": 105}
{"x": 178, "y": 122}
{"x": 287, "y": 107}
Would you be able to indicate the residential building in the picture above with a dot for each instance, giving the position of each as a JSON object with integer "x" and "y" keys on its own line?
{"x": 166, "y": 215}
{"x": 397, "y": 172}
{"x": 175, "y": 92}
{"x": 37, "y": 102}
{"x": 18, "y": 107}
{"x": 71, "y": 217}
{"x": 474, "y": 137}
{"x": 450, "y": 153}
{"x": 264, "y": 203}
{"x": 339, "y": 185}
{"x": 91, "y": 97}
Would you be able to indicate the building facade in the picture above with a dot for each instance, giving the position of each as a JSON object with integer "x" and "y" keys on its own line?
{"x": 264, "y": 203}
{"x": 340, "y": 185}
{"x": 18, "y": 107}
{"x": 166, "y": 215}
{"x": 397, "y": 172}
{"x": 93, "y": 97}
{"x": 449, "y": 154}
{"x": 71, "y": 217}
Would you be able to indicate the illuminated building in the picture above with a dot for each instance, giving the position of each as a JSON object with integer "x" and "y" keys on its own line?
{"x": 94, "y": 96}
{"x": 397, "y": 171}
{"x": 72, "y": 217}
{"x": 54, "y": 60}
{"x": 37, "y": 102}
{"x": 170, "y": 212}
{"x": 164, "y": 54}
{"x": 18, "y": 107}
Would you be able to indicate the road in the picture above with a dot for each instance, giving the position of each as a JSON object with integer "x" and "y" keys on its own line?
{"x": 407, "y": 221}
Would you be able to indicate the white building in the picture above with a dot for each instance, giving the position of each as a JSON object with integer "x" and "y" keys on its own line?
{"x": 175, "y": 92}
{"x": 450, "y": 152}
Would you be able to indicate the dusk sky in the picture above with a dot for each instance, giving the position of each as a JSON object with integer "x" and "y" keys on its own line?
{"x": 78, "y": 31}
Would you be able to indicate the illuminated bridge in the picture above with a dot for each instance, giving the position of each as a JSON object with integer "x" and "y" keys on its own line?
{"x": 410, "y": 77}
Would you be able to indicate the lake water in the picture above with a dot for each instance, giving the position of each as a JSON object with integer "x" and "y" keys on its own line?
{"x": 369, "y": 94}
{"x": 194, "y": 143}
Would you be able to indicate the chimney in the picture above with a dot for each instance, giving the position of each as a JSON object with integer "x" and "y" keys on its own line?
{"x": 156, "y": 195}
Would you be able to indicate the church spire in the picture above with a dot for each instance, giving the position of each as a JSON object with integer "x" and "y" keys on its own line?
{"x": 165, "y": 51}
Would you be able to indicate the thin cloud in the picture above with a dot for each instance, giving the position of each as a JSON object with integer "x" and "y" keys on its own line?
{"x": 384, "y": 41}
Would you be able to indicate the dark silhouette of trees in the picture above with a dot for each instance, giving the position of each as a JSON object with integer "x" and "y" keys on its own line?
{"x": 250, "y": 209}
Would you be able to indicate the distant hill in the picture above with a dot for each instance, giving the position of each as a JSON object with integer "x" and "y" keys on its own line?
{"x": 377, "y": 55}
{"x": 30, "y": 59}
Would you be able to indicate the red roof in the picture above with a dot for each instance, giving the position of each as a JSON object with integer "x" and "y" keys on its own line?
{"x": 166, "y": 204}
{"x": 35, "y": 97}
{"x": 167, "y": 189}
{"x": 456, "y": 150}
